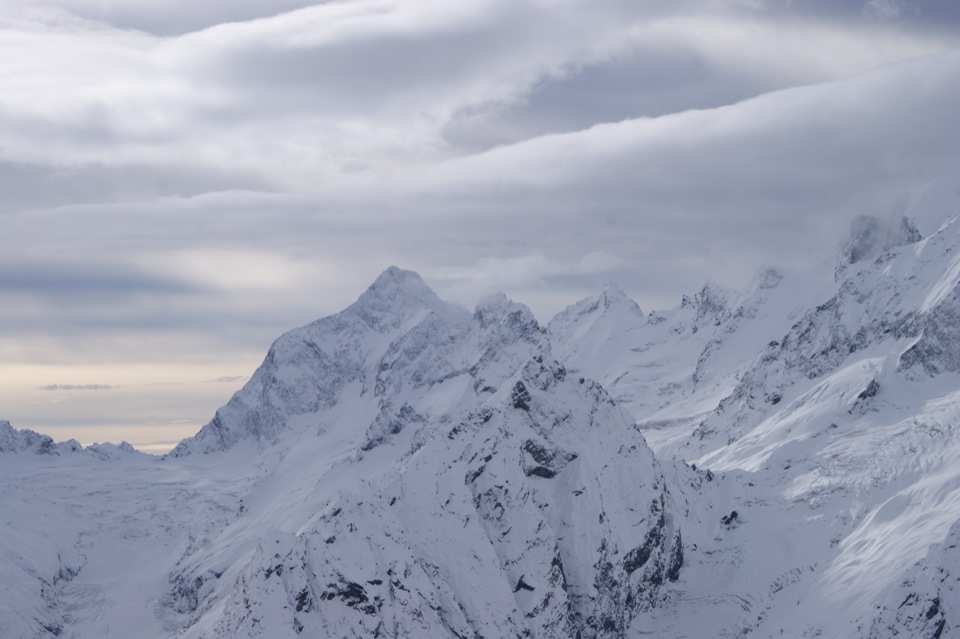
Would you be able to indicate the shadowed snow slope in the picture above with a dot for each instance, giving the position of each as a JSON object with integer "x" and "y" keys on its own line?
{"x": 407, "y": 469}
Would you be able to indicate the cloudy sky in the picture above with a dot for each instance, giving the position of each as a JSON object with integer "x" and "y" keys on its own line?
{"x": 183, "y": 180}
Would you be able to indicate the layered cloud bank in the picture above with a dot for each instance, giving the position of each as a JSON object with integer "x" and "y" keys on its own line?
{"x": 178, "y": 185}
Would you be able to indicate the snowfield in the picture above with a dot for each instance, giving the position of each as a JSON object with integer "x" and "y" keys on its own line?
{"x": 782, "y": 461}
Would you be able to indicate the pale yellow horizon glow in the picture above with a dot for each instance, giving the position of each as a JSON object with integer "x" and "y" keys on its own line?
{"x": 151, "y": 406}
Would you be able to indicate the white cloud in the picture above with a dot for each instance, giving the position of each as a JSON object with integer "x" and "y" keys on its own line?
{"x": 164, "y": 175}
{"x": 312, "y": 95}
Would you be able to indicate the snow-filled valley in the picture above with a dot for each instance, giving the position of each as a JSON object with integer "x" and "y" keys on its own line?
{"x": 781, "y": 461}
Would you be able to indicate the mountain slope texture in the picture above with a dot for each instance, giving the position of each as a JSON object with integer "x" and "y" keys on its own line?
{"x": 781, "y": 461}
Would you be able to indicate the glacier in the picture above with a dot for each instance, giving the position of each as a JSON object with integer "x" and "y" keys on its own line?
{"x": 782, "y": 460}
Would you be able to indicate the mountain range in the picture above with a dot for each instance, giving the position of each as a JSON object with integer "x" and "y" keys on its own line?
{"x": 778, "y": 461}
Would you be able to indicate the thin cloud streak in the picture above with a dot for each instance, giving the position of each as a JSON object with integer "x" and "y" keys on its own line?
{"x": 77, "y": 387}
{"x": 228, "y": 379}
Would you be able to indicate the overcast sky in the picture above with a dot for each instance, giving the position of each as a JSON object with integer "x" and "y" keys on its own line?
{"x": 183, "y": 180}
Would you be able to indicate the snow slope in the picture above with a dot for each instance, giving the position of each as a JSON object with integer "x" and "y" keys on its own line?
{"x": 832, "y": 396}
{"x": 401, "y": 468}
{"x": 408, "y": 469}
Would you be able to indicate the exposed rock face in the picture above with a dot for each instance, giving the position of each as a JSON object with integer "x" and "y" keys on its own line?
{"x": 13, "y": 440}
{"x": 903, "y": 293}
{"x": 927, "y": 602}
{"x": 397, "y": 333}
{"x": 836, "y": 390}
{"x": 399, "y": 340}
{"x": 514, "y": 521}
{"x": 493, "y": 494}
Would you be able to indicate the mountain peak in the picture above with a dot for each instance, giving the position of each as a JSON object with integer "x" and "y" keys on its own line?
{"x": 398, "y": 288}
{"x": 767, "y": 278}
{"x": 498, "y": 314}
{"x": 13, "y": 440}
{"x": 395, "y": 274}
{"x": 712, "y": 300}
{"x": 871, "y": 235}
{"x": 398, "y": 279}
{"x": 494, "y": 307}
{"x": 613, "y": 295}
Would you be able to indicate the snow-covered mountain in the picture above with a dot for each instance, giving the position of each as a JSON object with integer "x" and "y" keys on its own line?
{"x": 778, "y": 461}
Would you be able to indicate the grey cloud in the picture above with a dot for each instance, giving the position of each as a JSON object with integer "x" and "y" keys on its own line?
{"x": 763, "y": 180}
{"x": 905, "y": 13}
{"x": 315, "y": 96}
{"x": 188, "y": 198}
{"x": 70, "y": 279}
{"x": 32, "y": 185}
{"x": 641, "y": 83}
{"x": 76, "y": 387}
